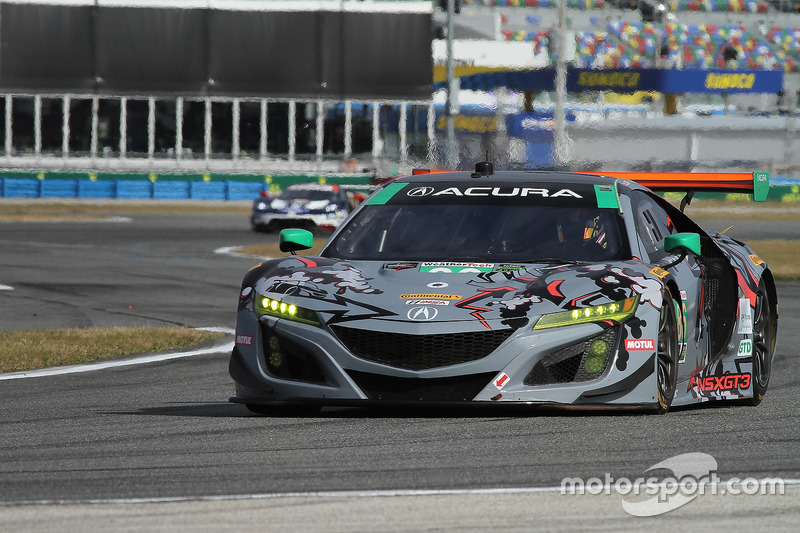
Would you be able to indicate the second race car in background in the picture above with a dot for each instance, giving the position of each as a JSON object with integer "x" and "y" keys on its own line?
{"x": 312, "y": 206}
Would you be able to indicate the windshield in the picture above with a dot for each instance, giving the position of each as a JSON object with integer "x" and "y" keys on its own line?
{"x": 480, "y": 232}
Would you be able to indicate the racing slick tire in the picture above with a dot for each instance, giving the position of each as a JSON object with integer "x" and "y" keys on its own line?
{"x": 667, "y": 353}
{"x": 763, "y": 345}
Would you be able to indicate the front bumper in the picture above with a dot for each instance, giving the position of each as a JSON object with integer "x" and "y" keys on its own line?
{"x": 324, "y": 371}
{"x": 271, "y": 221}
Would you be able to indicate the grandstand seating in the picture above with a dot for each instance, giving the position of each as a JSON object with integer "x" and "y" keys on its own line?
{"x": 734, "y": 6}
{"x": 632, "y": 45}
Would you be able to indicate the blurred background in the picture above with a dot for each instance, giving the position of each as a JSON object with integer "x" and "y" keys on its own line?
{"x": 375, "y": 88}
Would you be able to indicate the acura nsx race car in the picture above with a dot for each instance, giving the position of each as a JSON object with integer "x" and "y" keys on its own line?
{"x": 548, "y": 288}
{"x": 312, "y": 206}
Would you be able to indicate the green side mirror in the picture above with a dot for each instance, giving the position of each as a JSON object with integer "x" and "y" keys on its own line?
{"x": 292, "y": 240}
{"x": 689, "y": 241}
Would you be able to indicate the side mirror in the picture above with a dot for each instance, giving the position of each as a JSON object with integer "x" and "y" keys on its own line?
{"x": 292, "y": 240}
{"x": 683, "y": 242}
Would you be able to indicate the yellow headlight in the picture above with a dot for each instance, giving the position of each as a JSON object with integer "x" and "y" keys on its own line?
{"x": 269, "y": 306}
{"x": 614, "y": 311}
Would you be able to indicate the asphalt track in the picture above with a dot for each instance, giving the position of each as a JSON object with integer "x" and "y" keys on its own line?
{"x": 158, "y": 447}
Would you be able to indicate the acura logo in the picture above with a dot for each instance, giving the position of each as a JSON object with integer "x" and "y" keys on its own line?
{"x": 423, "y": 312}
{"x": 420, "y": 191}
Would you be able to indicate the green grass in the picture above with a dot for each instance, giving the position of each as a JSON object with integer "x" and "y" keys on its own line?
{"x": 27, "y": 349}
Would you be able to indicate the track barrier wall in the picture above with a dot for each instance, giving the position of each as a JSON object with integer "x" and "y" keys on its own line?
{"x": 231, "y": 187}
{"x": 158, "y": 186}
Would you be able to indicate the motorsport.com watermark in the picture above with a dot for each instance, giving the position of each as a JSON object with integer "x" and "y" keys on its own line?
{"x": 694, "y": 474}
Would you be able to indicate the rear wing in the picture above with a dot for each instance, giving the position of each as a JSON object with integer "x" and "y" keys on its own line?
{"x": 755, "y": 183}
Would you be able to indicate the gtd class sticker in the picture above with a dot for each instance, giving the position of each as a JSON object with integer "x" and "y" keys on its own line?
{"x": 745, "y": 348}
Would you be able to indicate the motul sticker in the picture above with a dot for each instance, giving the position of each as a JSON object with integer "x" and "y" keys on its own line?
{"x": 640, "y": 344}
{"x": 745, "y": 317}
{"x": 501, "y": 380}
{"x": 244, "y": 340}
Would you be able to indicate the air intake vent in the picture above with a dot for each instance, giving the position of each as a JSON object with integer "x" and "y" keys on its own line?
{"x": 579, "y": 362}
{"x": 420, "y": 352}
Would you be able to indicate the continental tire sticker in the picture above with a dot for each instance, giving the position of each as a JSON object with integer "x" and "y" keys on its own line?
{"x": 430, "y": 296}
{"x": 755, "y": 259}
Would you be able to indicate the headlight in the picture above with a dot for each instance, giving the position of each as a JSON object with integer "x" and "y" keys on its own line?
{"x": 261, "y": 206}
{"x": 279, "y": 309}
{"x": 614, "y": 311}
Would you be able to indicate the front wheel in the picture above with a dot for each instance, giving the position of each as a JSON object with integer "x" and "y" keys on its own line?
{"x": 763, "y": 345}
{"x": 667, "y": 354}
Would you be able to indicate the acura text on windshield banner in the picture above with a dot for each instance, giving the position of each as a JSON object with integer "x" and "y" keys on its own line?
{"x": 545, "y": 194}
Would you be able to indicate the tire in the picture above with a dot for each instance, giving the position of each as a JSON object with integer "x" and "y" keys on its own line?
{"x": 667, "y": 354}
{"x": 284, "y": 410}
{"x": 763, "y": 345}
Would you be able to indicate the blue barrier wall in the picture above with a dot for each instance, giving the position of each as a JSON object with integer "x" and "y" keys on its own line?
{"x": 130, "y": 189}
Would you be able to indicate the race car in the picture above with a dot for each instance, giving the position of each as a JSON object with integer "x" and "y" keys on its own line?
{"x": 313, "y": 206}
{"x": 573, "y": 290}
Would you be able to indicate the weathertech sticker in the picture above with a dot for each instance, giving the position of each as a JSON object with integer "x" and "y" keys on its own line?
{"x": 457, "y": 268}
{"x": 640, "y": 344}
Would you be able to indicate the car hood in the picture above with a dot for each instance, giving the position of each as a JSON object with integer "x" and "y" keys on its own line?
{"x": 493, "y": 294}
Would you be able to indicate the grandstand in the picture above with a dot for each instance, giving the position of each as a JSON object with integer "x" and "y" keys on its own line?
{"x": 688, "y": 34}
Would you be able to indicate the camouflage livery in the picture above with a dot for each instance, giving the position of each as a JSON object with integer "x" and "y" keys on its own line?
{"x": 631, "y": 324}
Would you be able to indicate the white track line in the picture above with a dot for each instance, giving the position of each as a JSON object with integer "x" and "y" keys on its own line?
{"x": 344, "y": 494}
{"x": 6, "y": 288}
{"x": 233, "y": 251}
{"x": 100, "y": 365}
